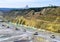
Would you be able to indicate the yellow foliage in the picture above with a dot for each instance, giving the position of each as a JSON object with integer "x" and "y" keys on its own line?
{"x": 30, "y": 22}
{"x": 41, "y": 24}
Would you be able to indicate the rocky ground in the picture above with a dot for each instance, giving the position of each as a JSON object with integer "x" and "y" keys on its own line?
{"x": 13, "y": 33}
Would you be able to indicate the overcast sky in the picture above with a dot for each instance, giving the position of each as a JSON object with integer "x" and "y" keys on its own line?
{"x": 30, "y": 3}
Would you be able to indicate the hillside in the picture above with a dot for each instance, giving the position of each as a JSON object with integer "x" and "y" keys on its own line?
{"x": 47, "y": 18}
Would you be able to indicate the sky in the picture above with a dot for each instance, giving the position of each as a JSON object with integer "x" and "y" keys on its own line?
{"x": 30, "y": 3}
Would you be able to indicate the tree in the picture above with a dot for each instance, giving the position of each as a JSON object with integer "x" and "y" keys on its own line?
{"x": 58, "y": 31}
{"x": 20, "y": 22}
{"x": 23, "y": 22}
